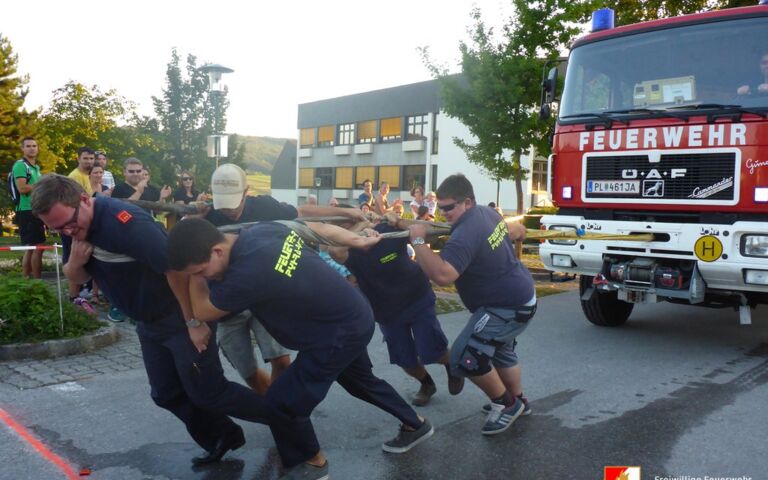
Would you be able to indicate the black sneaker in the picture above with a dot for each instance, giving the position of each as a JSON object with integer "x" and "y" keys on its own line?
{"x": 406, "y": 440}
{"x": 422, "y": 397}
{"x": 486, "y": 409}
{"x": 306, "y": 471}
{"x": 455, "y": 384}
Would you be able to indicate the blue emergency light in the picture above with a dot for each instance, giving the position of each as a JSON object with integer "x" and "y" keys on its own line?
{"x": 602, "y": 19}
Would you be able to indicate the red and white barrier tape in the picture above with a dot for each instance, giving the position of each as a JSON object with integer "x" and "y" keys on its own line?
{"x": 28, "y": 247}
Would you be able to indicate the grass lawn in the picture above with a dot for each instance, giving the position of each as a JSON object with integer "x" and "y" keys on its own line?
{"x": 260, "y": 184}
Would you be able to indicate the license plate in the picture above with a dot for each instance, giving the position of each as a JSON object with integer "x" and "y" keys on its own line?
{"x": 613, "y": 186}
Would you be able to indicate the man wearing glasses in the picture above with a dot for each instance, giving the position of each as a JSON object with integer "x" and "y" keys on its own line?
{"x": 494, "y": 286}
{"x": 122, "y": 248}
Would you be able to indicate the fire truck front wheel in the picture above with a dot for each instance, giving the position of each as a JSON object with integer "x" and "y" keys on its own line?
{"x": 603, "y": 308}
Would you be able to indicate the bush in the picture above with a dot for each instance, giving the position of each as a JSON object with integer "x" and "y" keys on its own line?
{"x": 29, "y": 312}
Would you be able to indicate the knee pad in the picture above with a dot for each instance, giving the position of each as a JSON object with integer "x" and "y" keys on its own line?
{"x": 474, "y": 362}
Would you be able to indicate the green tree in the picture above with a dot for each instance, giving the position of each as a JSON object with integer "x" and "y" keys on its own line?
{"x": 15, "y": 121}
{"x": 634, "y": 11}
{"x": 83, "y": 116}
{"x": 187, "y": 113}
{"x": 497, "y": 93}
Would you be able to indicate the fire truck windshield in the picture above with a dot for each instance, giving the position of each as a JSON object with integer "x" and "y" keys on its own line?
{"x": 723, "y": 63}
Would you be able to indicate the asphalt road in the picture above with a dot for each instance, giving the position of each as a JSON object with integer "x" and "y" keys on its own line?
{"x": 678, "y": 391}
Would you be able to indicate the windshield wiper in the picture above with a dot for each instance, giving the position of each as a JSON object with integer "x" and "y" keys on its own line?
{"x": 650, "y": 111}
{"x": 605, "y": 120}
{"x": 721, "y": 106}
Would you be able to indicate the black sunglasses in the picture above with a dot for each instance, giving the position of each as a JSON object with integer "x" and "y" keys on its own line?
{"x": 449, "y": 207}
{"x": 185, "y": 179}
{"x": 134, "y": 171}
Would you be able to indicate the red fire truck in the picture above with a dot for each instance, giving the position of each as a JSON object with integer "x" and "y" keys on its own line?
{"x": 662, "y": 129}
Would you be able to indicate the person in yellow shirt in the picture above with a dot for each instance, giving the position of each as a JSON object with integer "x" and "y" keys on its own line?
{"x": 85, "y": 158}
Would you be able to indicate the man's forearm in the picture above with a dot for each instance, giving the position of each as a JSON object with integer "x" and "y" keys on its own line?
{"x": 434, "y": 267}
{"x": 75, "y": 274}
{"x": 179, "y": 284}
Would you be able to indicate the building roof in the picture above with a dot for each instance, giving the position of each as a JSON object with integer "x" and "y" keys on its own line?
{"x": 284, "y": 171}
{"x": 400, "y": 101}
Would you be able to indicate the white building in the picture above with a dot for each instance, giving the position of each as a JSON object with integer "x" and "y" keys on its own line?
{"x": 398, "y": 135}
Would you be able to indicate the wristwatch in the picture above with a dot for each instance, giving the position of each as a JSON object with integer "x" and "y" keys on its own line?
{"x": 418, "y": 241}
{"x": 193, "y": 323}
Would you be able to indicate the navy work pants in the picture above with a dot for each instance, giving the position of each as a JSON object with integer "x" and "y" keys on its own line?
{"x": 192, "y": 386}
{"x": 307, "y": 381}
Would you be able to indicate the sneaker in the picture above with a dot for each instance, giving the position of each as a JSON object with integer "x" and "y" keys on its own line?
{"x": 83, "y": 303}
{"x": 305, "y": 471}
{"x": 86, "y": 293}
{"x": 115, "y": 315}
{"x": 424, "y": 394}
{"x": 407, "y": 439}
{"x": 501, "y": 418}
{"x": 526, "y": 411}
{"x": 455, "y": 384}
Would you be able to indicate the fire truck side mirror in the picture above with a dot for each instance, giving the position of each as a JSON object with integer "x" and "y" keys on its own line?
{"x": 550, "y": 86}
{"x": 548, "y": 93}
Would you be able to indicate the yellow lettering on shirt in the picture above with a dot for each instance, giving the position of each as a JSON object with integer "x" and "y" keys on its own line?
{"x": 289, "y": 255}
{"x": 388, "y": 258}
{"x": 498, "y": 235}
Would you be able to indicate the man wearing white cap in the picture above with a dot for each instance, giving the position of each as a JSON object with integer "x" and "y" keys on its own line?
{"x": 231, "y": 205}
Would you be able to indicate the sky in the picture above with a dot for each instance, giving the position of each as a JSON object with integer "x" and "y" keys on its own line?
{"x": 283, "y": 52}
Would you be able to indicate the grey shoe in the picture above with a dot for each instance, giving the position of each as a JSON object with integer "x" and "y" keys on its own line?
{"x": 501, "y": 418}
{"x": 486, "y": 409}
{"x": 305, "y": 471}
{"x": 422, "y": 397}
{"x": 406, "y": 440}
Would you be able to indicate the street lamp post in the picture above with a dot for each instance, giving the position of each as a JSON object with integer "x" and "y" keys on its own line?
{"x": 318, "y": 182}
{"x": 218, "y": 142}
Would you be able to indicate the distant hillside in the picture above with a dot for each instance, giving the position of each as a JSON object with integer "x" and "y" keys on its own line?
{"x": 261, "y": 152}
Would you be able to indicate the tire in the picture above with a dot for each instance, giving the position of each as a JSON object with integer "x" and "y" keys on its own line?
{"x": 604, "y": 308}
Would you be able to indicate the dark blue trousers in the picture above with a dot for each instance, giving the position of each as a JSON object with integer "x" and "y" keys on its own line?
{"x": 192, "y": 386}
{"x": 307, "y": 381}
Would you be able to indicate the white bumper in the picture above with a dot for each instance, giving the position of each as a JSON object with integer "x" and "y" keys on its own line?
{"x": 674, "y": 241}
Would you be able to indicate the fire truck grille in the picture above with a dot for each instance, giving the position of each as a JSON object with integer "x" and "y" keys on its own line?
{"x": 688, "y": 177}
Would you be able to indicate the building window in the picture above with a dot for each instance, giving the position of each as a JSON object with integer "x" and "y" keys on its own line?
{"x": 326, "y": 177}
{"x": 344, "y": 177}
{"x": 435, "y": 135}
{"x": 391, "y": 129}
{"x": 539, "y": 176}
{"x": 346, "y": 134}
{"x": 433, "y": 181}
{"x": 307, "y": 137}
{"x": 415, "y": 127}
{"x": 364, "y": 173}
{"x": 366, "y": 132}
{"x": 391, "y": 175}
{"x": 306, "y": 177}
{"x": 414, "y": 176}
{"x": 325, "y": 136}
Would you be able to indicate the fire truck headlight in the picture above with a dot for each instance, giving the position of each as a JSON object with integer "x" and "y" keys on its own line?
{"x": 567, "y": 193}
{"x": 754, "y": 245}
{"x": 563, "y": 228}
{"x": 756, "y": 277}
{"x": 761, "y": 194}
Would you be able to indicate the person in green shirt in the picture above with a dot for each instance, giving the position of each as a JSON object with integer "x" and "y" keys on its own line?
{"x": 26, "y": 172}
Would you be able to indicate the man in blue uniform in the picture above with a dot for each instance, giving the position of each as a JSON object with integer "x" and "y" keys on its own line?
{"x": 403, "y": 305}
{"x": 307, "y": 307}
{"x": 494, "y": 286}
{"x": 124, "y": 250}
{"x": 233, "y": 205}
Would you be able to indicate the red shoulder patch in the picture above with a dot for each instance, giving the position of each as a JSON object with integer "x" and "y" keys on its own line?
{"x": 124, "y": 216}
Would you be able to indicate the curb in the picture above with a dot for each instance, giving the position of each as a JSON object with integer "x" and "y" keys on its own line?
{"x": 104, "y": 336}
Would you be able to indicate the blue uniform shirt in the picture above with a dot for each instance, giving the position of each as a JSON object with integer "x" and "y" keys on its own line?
{"x": 489, "y": 273}
{"x": 139, "y": 287}
{"x": 256, "y": 209}
{"x": 299, "y": 299}
{"x": 387, "y": 276}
